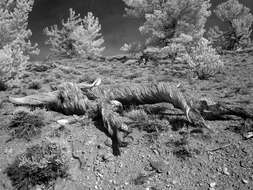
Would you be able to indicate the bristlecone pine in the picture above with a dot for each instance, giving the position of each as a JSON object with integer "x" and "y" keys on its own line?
{"x": 107, "y": 101}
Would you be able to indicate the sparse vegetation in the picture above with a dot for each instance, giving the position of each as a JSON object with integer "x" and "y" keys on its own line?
{"x": 78, "y": 37}
{"x": 26, "y": 124}
{"x": 39, "y": 165}
{"x": 238, "y": 20}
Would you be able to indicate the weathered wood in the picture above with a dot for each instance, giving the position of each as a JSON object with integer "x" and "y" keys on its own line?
{"x": 107, "y": 101}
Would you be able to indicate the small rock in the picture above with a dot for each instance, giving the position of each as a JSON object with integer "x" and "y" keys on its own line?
{"x": 248, "y": 135}
{"x": 100, "y": 146}
{"x": 212, "y": 185}
{"x": 107, "y": 157}
{"x": 245, "y": 181}
{"x": 63, "y": 122}
{"x": 108, "y": 142}
{"x": 99, "y": 175}
{"x": 38, "y": 187}
{"x": 8, "y": 151}
{"x": 225, "y": 171}
{"x": 159, "y": 166}
{"x": 131, "y": 62}
{"x": 156, "y": 152}
{"x": 174, "y": 182}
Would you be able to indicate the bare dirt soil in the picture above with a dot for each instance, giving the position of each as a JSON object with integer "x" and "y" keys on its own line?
{"x": 164, "y": 152}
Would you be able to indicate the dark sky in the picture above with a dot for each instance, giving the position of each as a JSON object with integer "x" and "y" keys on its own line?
{"x": 116, "y": 29}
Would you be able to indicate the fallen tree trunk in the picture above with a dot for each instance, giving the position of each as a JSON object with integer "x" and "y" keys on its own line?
{"x": 107, "y": 101}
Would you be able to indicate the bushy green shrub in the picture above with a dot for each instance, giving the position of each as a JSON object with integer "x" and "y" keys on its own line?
{"x": 26, "y": 124}
{"x": 197, "y": 53}
{"x": 15, "y": 47}
{"x": 238, "y": 20}
{"x": 165, "y": 19}
{"x": 204, "y": 60}
{"x": 39, "y": 165}
{"x": 78, "y": 37}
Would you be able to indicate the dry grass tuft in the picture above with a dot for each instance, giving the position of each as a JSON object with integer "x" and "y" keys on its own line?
{"x": 137, "y": 115}
{"x": 26, "y": 124}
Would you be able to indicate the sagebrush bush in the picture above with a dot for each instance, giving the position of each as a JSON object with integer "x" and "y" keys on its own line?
{"x": 39, "y": 165}
{"x": 238, "y": 20}
{"x": 204, "y": 60}
{"x": 78, "y": 37}
{"x": 15, "y": 46}
{"x": 26, "y": 124}
{"x": 197, "y": 53}
{"x": 165, "y": 19}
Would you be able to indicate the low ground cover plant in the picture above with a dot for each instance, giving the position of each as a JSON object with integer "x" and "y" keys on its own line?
{"x": 39, "y": 165}
{"x": 26, "y": 124}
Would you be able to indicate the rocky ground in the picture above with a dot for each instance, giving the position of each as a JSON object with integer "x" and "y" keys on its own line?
{"x": 164, "y": 152}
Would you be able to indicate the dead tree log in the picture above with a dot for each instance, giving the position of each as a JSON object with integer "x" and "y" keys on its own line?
{"x": 107, "y": 101}
{"x": 216, "y": 111}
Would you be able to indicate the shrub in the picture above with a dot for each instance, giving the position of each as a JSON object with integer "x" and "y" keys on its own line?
{"x": 238, "y": 19}
{"x": 26, "y": 124}
{"x": 15, "y": 47}
{"x": 78, "y": 37}
{"x": 39, "y": 165}
{"x": 204, "y": 60}
{"x": 165, "y": 19}
{"x": 197, "y": 53}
